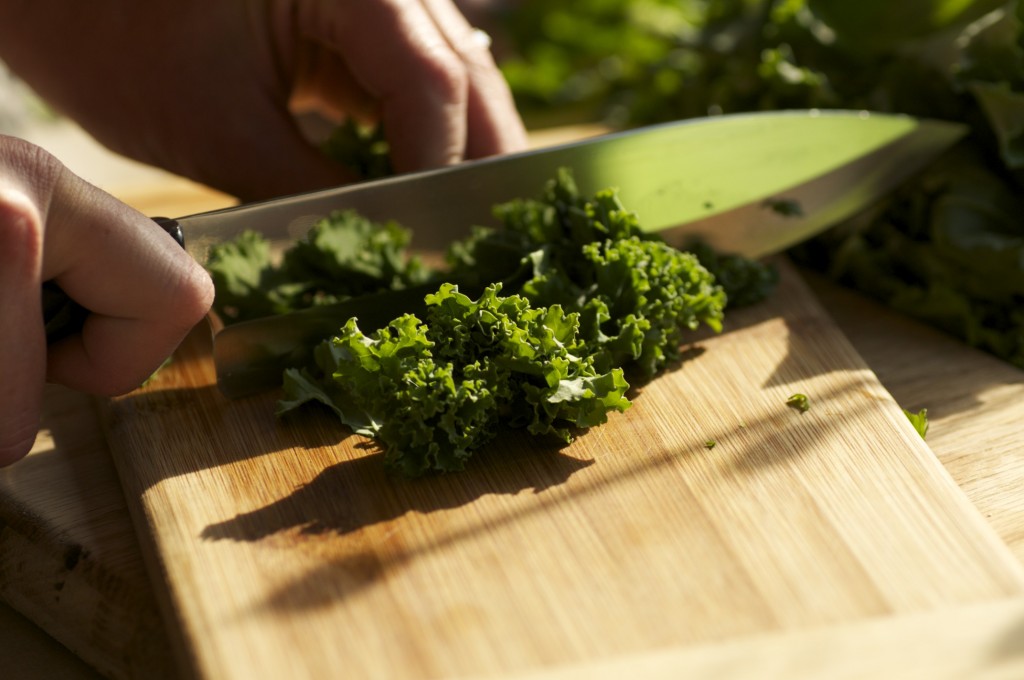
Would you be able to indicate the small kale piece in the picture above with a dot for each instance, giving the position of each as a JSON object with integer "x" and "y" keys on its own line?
{"x": 362, "y": 149}
{"x": 635, "y": 294}
{"x": 800, "y": 402}
{"x": 919, "y": 420}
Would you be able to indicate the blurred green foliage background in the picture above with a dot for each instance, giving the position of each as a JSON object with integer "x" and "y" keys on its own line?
{"x": 949, "y": 247}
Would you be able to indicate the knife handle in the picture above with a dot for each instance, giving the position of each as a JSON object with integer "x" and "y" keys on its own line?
{"x": 63, "y": 316}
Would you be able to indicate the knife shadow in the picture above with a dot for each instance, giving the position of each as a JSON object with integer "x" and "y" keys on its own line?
{"x": 196, "y": 428}
{"x": 922, "y": 362}
{"x": 913, "y": 361}
{"x": 373, "y": 512}
{"x": 355, "y": 514}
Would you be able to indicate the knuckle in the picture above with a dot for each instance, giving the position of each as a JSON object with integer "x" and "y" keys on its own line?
{"x": 21, "y": 231}
{"x": 446, "y": 74}
{"x": 28, "y": 175}
{"x": 476, "y": 53}
{"x": 28, "y": 166}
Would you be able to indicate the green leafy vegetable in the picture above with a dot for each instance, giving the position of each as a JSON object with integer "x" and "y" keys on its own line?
{"x": 634, "y": 294}
{"x": 342, "y": 256}
{"x": 919, "y": 420}
{"x": 360, "y": 148}
{"x": 588, "y": 296}
{"x": 745, "y": 281}
{"x": 800, "y": 402}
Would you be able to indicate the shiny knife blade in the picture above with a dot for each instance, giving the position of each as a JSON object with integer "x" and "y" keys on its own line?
{"x": 751, "y": 184}
{"x": 720, "y": 179}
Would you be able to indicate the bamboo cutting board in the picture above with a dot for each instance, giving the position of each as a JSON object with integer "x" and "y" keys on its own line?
{"x": 283, "y": 549}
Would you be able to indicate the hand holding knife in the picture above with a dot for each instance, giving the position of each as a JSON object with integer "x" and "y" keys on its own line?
{"x": 55, "y": 226}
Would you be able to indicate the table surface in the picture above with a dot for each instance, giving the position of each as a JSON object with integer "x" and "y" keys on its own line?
{"x": 66, "y": 496}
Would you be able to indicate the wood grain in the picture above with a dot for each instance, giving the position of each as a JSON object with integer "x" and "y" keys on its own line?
{"x": 283, "y": 548}
{"x": 29, "y": 653}
{"x": 973, "y": 400}
{"x": 972, "y": 642}
{"x": 68, "y": 558}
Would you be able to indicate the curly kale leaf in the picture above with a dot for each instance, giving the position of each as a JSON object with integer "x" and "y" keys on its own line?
{"x": 248, "y": 284}
{"x": 635, "y": 294}
{"x": 563, "y": 218}
{"x": 558, "y": 224}
{"x": 439, "y": 388}
{"x": 362, "y": 149}
{"x": 344, "y": 255}
{"x": 651, "y": 292}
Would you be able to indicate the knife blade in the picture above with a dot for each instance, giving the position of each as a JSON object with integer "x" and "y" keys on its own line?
{"x": 720, "y": 179}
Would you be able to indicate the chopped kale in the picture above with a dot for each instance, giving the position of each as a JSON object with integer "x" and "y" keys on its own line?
{"x": 800, "y": 402}
{"x": 919, "y": 420}
{"x": 583, "y": 295}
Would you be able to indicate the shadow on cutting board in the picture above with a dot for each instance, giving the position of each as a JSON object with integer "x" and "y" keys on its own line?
{"x": 360, "y": 501}
{"x": 492, "y": 472}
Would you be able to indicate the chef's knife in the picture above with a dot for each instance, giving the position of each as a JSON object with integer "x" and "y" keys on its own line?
{"x": 720, "y": 179}
{"x": 751, "y": 184}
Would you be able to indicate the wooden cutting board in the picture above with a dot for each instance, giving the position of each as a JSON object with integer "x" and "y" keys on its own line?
{"x": 283, "y": 549}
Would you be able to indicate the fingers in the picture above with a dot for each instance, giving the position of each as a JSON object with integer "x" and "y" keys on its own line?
{"x": 143, "y": 291}
{"x": 214, "y": 108}
{"x": 493, "y": 124}
{"x": 397, "y": 55}
{"x": 441, "y": 98}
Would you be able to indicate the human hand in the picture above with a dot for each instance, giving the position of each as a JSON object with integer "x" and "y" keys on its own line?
{"x": 145, "y": 293}
{"x": 208, "y": 90}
